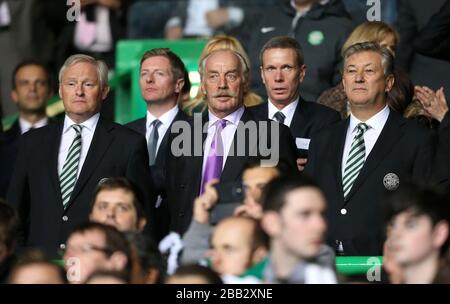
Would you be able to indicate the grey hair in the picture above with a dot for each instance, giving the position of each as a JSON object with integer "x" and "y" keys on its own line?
{"x": 387, "y": 59}
{"x": 102, "y": 68}
{"x": 245, "y": 71}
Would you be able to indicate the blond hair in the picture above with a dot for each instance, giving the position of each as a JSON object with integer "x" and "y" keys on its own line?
{"x": 221, "y": 42}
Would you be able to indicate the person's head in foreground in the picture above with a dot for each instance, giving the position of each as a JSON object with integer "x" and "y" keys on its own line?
{"x": 418, "y": 233}
{"x": 294, "y": 219}
{"x": 94, "y": 246}
{"x": 237, "y": 244}
{"x": 194, "y": 274}
{"x": 107, "y": 277}
{"x": 34, "y": 267}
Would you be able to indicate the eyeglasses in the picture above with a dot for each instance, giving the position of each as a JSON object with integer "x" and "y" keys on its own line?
{"x": 85, "y": 248}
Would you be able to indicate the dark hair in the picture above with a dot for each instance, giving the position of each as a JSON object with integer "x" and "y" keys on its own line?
{"x": 148, "y": 254}
{"x": 187, "y": 82}
{"x": 32, "y": 62}
{"x": 283, "y": 42}
{"x": 177, "y": 65}
{"x": 119, "y": 275}
{"x": 115, "y": 241}
{"x": 9, "y": 222}
{"x": 283, "y": 167}
{"x": 113, "y": 183}
{"x": 274, "y": 193}
{"x": 420, "y": 199}
{"x": 33, "y": 257}
{"x": 402, "y": 92}
{"x": 196, "y": 270}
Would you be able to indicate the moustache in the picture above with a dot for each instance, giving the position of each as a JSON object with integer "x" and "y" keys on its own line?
{"x": 225, "y": 93}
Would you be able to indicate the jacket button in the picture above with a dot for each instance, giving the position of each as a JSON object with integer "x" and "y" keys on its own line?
{"x": 65, "y": 218}
{"x": 181, "y": 214}
{"x": 343, "y": 211}
{"x": 62, "y": 246}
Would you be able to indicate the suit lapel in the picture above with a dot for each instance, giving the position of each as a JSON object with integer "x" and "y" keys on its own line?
{"x": 99, "y": 145}
{"x": 55, "y": 141}
{"x": 338, "y": 140}
{"x": 234, "y": 163}
{"x": 388, "y": 138}
{"x": 298, "y": 123}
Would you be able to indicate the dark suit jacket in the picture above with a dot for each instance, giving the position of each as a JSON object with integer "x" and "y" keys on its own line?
{"x": 184, "y": 172}
{"x": 35, "y": 190}
{"x": 441, "y": 170}
{"x": 9, "y": 146}
{"x": 162, "y": 216}
{"x": 308, "y": 119}
{"x": 403, "y": 148}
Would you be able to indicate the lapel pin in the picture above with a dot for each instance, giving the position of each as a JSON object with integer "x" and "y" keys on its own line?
{"x": 391, "y": 181}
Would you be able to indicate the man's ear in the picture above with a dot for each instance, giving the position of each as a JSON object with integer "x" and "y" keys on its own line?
{"x": 440, "y": 234}
{"x": 118, "y": 260}
{"x": 141, "y": 224}
{"x": 302, "y": 72}
{"x": 179, "y": 84}
{"x": 105, "y": 92}
{"x": 14, "y": 96}
{"x": 259, "y": 254}
{"x": 389, "y": 83}
{"x": 270, "y": 223}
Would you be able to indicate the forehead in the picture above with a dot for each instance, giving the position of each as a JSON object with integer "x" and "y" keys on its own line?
{"x": 118, "y": 195}
{"x": 305, "y": 199}
{"x": 156, "y": 62}
{"x": 223, "y": 59}
{"x": 31, "y": 70}
{"x": 279, "y": 55}
{"x": 93, "y": 236}
{"x": 364, "y": 58}
{"x": 259, "y": 174}
{"x": 82, "y": 70}
{"x": 232, "y": 232}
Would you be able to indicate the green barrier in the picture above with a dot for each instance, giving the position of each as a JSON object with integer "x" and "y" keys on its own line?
{"x": 129, "y": 104}
{"x": 352, "y": 265}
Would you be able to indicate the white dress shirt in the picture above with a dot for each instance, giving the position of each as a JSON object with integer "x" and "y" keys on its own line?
{"x": 165, "y": 119}
{"x": 227, "y": 134}
{"x": 25, "y": 126}
{"x": 376, "y": 124}
{"x": 288, "y": 111}
{"x": 68, "y": 134}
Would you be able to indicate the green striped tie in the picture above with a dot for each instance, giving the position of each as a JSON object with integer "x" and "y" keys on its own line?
{"x": 355, "y": 160}
{"x": 68, "y": 176}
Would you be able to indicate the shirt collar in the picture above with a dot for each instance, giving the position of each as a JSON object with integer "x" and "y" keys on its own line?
{"x": 26, "y": 125}
{"x": 288, "y": 110}
{"x": 87, "y": 124}
{"x": 166, "y": 119}
{"x": 375, "y": 122}
{"x": 233, "y": 118}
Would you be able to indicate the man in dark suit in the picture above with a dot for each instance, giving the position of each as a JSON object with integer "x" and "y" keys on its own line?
{"x": 161, "y": 83}
{"x": 218, "y": 144}
{"x": 31, "y": 91}
{"x": 358, "y": 160}
{"x": 59, "y": 166}
{"x": 282, "y": 72}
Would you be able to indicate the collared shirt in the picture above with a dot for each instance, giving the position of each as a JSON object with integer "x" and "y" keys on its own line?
{"x": 25, "y": 126}
{"x": 375, "y": 123}
{"x": 68, "y": 134}
{"x": 227, "y": 133}
{"x": 288, "y": 111}
{"x": 166, "y": 120}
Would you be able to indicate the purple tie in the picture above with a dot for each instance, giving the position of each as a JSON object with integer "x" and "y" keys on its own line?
{"x": 214, "y": 162}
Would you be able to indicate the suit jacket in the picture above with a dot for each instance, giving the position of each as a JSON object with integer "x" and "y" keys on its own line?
{"x": 403, "y": 148}
{"x": 184, "y": 172}
{"x": 308, "y": 119}
{"x": 9, "y": 146}
{"x": 162, "y": 216}
{"x": 441, "y": 170}
{"x": 35, "y": 190}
